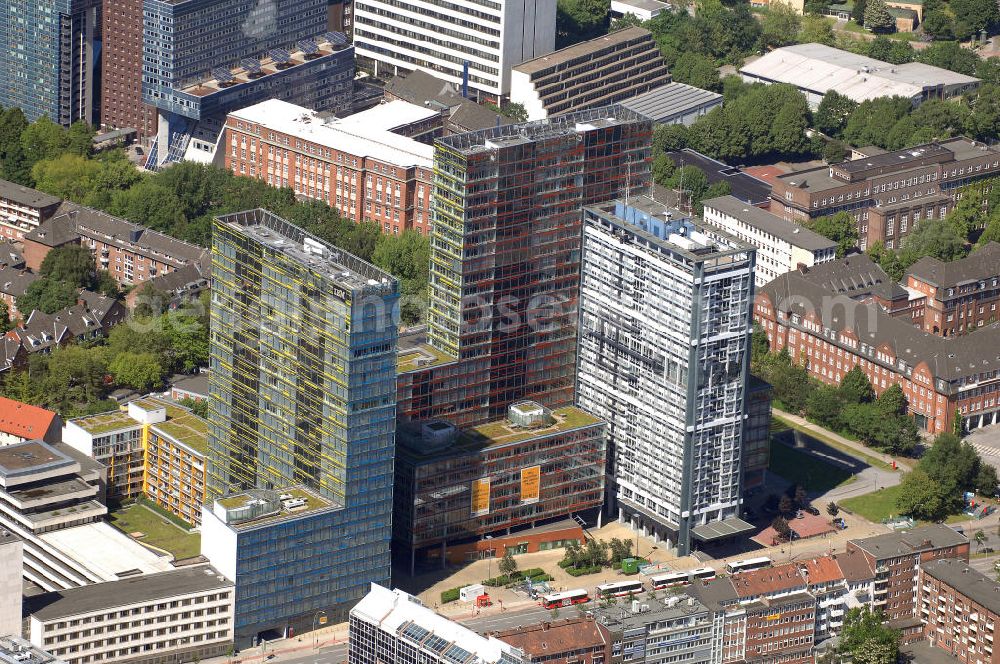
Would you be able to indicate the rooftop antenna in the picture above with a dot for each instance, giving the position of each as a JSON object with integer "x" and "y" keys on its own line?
{"x": 628, "y": 190}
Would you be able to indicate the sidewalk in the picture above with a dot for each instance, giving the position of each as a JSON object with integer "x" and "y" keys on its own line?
{"x": 806, "y": 425}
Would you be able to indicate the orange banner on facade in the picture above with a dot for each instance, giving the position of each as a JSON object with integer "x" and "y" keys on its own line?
{"x": 531, "y": 482}
{"x": 481, "y": 496}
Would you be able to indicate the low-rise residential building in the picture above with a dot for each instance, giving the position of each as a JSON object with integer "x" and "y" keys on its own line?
{"x": 666, "y": 628}
{"x": 897, "y": 558}
{"x": 171, "y": 290}
{"x": 131, "y": 253}
{"x": 90, "y": 318}
{"x": 593, "y": 73}
{"x": 534, "y": 468}
{"x": 674, "y": 103}
{"x": 153, "y": 448}
{"x": 392, "y": 626}
{"x": 359, "y": 165}
{"x": 582, "y": 640}
{"x": 190, "y": 387}
{"x": 957, "y": 297}
{"x": 849, "y": 313}
{"x": 22, "y": 209}
{"x": 20, "y": 422}
{"x": 960, "y": 608}
{"x": 180, "y": 615}
{"x": 782, "y": 246}
{"x": 888, "y": 194}
{"x": 816, "y": 69}
{"x": 644, "y": 10}
{"x": 13, "y": 284}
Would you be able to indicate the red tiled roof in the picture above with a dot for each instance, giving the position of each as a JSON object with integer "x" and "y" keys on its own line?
{"x": 768, "y": 580}
{"x": 822, "y": 570}
{"x": 24, "y": 420}
{"x": 551, "y": 638}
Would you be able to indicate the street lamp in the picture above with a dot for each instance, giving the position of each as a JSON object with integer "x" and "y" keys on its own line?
{"x": 321, "y": 617}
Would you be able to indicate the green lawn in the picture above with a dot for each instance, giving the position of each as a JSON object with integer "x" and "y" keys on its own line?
{"x": 814, "y": 474}
{"x": 159, "y": 532}
{"x": 875, "y": 462}
{"x": 876, "y": 506}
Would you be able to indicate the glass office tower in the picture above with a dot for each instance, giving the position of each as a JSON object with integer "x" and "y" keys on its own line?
{"x": 302, "y": 401}
{"x": 48, "y": 56}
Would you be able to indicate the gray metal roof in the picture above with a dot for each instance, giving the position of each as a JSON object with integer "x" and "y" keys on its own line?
{"x": 973, "y": 584}
{"x": 26, "y": 196}
{"x": 792, "y": 233}
{"x": 670, "y": 101}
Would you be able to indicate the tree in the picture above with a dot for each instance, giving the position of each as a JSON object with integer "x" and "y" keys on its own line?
{"x": 816, "y": 29}
{"x": 921, "y": 497}
{"x": 980, "y": 538}
{"x": 788, "y": 130}
{"x": 669, "y": 137}
{"x": 834, "y": 152}
{"x": 780, "y": 25}
{"x": 983, "y": 121}
{"x": 66, "y": 176}
{"x": 935, "y": 238}
{"x": 878, "y": 18}
{"x": 46, "y": 295}
{"x": 150, "y": 204}
{"x": 43, "y": 139}
{"x": 697, "y": 70}
{"x": 116, "y": 174}
{"x": 825, "y": 405}
{"x": 511, "y": 110}
{"x": 890, "y": 50}
{"x": 833, "y": 112}
{"x": 973, "y": 16}
{"x": 80, "y": 139}
{"x": 508, "y": 566}
{"x": 197, "y": 406}
{"x": 832, "y": 508}
{"x": 986, "y": 479}
{"x": 801, "y": 497}
{"x": 840, "y": 228}
{"x": 5, "y": 322}
{"x": 892, "y": 401}
{"x": 887, "y": 259}
{"x": 780, "y": 525}
{"x": 866, "y": 639}
{"x": 759, "y": 345}
{"x": 579, "y": 20}
{"x": 858, "y": 12}
{"x": 188, "y": 341}
{"x": 141, "y": 371}
{"x": 871, "y": 122}
{"x": 786, "y": 505}
{"x": 71, "y": 263}
{"x": 855, "y": 386}
{"x": 950, "y": 55}
{"x": 939, "y": 21}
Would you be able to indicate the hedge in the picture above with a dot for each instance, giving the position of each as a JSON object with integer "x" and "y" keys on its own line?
{"x": 536, "y": 574}
{"x": 583, "y": 570}
{"x": 451, "y": 595}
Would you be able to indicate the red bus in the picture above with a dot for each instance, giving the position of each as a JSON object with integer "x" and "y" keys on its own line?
{"x": 568, "y": 598}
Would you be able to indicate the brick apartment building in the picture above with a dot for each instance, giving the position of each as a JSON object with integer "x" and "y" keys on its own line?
{"x": 898, "y": 557}
{"x": 849, "y": 313}
{"x": 571, "y": 641}
{"x": 131, "y": 253}
{"x": 121, "y": 69}
{"x": 365, "y": 166}
{"x": 13, "y": 284}
{"x": 958, "y": 297}
{"x": 960, "y": 608}
{"x": 888, "y": 193}
{"x": 22, "y": 209}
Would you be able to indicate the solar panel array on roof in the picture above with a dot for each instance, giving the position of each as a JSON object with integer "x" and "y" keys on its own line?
{"x": 279, "y": 55}
{"x": 436, "y": 643}
{"x": 222, "y": 74}
{"x": 307, "y": 46}
{"x": 415, "y": 632}
{"x": 337, "y": 38}
{"x": 457, "y": 654}
{"x": 252, "y": 65}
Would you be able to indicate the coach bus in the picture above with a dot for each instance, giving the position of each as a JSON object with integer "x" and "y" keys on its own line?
{"x": 747, "y": 565}
{"x": 670, "y": 579}
{"x": 619, "y": 588}
{"x": 703, "y": 573}
{"x": 568, "y": 598}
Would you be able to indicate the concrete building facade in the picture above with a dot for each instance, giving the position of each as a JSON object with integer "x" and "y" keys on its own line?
{"x": 680, "y": 330}
{"x": 782, "y": 245}
{"x": 602, "y": 71}
{"x": 471, "y": 42}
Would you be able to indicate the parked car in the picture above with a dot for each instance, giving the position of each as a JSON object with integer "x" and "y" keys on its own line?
{"x": 812, "y": 510}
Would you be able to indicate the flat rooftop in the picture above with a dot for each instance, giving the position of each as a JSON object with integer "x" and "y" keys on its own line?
{"x": 184, "y": 427}
{"x": 314, "y": 503}
{"x": 104, "y": 596}
{"x": 742, "y": 185}
{"x": 31, "y": 455}
{"x": 104, "y": 423}
{"x": 975, "y": 585}
{"x": 323, "y": 258}
{"x": 502, "y": 432}
{"x": 671, "y": 100}
{"x": 14, "y": 650}
{"x": 422, "y": 356}
{"x": 795, "y": 234}
{"x": 26, "y": 196}
{"x": 820, "y": 68}
{"x": 106, "y": 551}
{"x": 367, "y": 134}
{"x": 587, "y": 49}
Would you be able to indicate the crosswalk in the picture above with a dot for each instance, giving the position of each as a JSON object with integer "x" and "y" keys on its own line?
{"x": 986, "y": 450}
